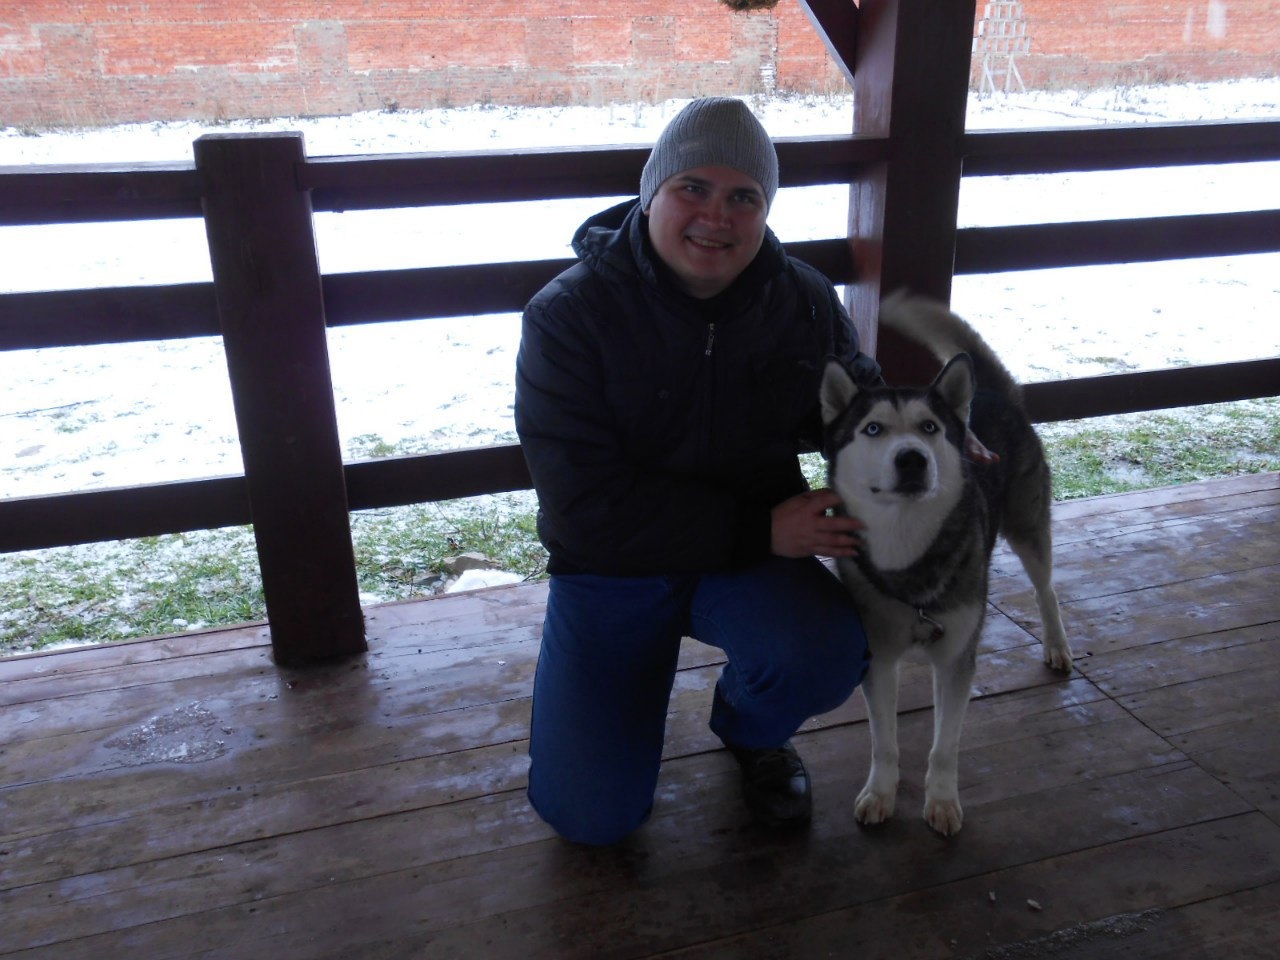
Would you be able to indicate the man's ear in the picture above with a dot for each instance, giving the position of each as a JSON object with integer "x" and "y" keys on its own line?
{"x": 955, "y": 384}
{"x": 837, "y": 392}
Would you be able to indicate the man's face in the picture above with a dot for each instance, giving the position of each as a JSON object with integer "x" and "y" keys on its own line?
{"x": 707, "y": 225}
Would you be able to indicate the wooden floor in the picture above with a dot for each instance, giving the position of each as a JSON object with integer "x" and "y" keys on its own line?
{"x": 182, "y": 797}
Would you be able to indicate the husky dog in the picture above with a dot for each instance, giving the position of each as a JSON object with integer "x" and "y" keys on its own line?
{"x": 897, "y": 458}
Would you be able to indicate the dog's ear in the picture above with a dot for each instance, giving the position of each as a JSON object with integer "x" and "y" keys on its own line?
{"x": 955, "y": 384}
{"x": 837, "y": 392}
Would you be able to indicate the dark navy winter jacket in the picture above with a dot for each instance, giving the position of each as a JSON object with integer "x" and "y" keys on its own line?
{"x": 660, "y": 430}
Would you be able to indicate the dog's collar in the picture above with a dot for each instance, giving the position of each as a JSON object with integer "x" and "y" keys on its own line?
{"x": 939, "y": 631}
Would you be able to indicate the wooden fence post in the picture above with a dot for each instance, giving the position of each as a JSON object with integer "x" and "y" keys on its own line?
{"x": 911, "y": 84}
{"x": 267, "y": 278}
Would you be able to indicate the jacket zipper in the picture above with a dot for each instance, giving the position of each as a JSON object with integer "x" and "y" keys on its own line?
{"x": 711, "y": 338}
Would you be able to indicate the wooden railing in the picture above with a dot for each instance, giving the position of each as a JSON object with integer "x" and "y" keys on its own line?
{"x": 270, "y": 304}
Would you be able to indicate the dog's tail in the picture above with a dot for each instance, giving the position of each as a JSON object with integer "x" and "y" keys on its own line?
{"x": 942, "y": 333}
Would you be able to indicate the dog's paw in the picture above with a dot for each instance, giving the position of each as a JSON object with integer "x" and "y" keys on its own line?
{"x": 873, "y": 807}
{"x": 1058, "y": 655}
{"x": 944, "y": 815}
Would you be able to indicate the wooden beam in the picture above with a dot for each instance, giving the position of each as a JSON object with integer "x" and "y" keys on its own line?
{"x": 121, "y": 513}
{"x": 912, "y": 87}
{"x": 1080, "y": 397}
{"x": 377, "y": 296}
{"x": 1141, "y": 239}
{"x": 1079, "y": 149}
{"x": 837, "y": 24}
{"x": 493, "y": 176}
{"x": 66, "y": 318}
{"x": 396, "y": 481}
{"x": 267, "y": 278}
{"x": 97, "y": 192}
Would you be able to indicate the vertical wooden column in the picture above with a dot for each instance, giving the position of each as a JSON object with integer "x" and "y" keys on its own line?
{"x": 267, "y": 279}
{"x": 911, "y": 85}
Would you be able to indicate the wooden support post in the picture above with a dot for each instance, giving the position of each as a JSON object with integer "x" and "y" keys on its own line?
{"x": 267, "y": 278}
{"x": 911, "y": 86}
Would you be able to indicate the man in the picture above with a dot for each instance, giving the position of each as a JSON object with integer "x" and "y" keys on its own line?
{"x": 664, "y": 386}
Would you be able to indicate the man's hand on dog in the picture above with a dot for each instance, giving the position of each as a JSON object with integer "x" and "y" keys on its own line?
{"x": 802, "y": 528}
{"x": 976, "y": 451}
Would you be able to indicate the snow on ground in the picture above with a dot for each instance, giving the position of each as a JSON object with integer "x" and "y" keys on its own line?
{"x": 91, "y": 417}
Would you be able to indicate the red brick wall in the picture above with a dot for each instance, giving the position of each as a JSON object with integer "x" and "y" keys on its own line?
{"x": 98, "y": 62}
{"x": 1126, "y": 42}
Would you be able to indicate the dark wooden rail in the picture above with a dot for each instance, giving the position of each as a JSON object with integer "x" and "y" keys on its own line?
{"x": 270, "y": 304}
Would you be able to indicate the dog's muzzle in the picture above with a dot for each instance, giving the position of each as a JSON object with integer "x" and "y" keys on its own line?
{"x": 912, "y": 468}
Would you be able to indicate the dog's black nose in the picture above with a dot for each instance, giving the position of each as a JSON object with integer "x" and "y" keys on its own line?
{"x": 910, "y": 461}
{"x": 912, "y": 467}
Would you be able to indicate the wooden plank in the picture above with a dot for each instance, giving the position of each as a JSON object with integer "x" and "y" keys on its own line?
{"x": 62, "y": 318}
{"x": 1242, "y": 755}
{"x": 267, "y": 276}
{"x": 234, "y": 702}
{"x": 59, "y": 520}
{"x": 1124, "y": 673}
{"x": 74, "y": 662}
{"x": 430, "y": 292}
{"x": 97, "y": 192}
{"x": 393, "y": 481}
{"x": 1011, "y": 153}
{"x": 65, "y": 318}
{"x": 42, "y": 678}
{"x": 1211, "y": 696}
{"x": 1119, "y": 900}
{"x": 498, "y": 176}
{"x": 1139, "y": 240}
{"x": 681, "y": 886}
{"x": 359, "y": 183}
{"x": 1229, "y": 698}
{"x": 1205, "y": 496}
{"x": 1136, "y": 555}
{"x": 1123, "y": 557}
{"x": 476, "y": 289}
{"x": 472, "y": 841}
{"x": 1239, "y": 925}
{"x": 1103, "y": 623}
{"x": 188, "y": 806}
{"x": 1083, "y": 397}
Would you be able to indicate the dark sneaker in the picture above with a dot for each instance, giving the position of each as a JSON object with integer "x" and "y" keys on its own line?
{"x": 775, "y": 785}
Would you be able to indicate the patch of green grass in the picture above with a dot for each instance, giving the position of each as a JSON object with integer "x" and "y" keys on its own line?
{"x": 372, "y": 446}
{"x": 101, "y": 592}
{"x": 401, "y": 552}
{"x": 1139, "y": 451}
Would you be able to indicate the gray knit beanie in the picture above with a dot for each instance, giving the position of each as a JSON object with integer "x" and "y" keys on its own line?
{"x": 713, "y": 132}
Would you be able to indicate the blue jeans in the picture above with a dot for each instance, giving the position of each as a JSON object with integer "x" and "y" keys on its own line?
{"x": 795, "y": 648}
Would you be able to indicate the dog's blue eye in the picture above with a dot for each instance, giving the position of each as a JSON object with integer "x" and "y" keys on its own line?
{"x": 929, "y": 427}
{"x": 872, "y": 429}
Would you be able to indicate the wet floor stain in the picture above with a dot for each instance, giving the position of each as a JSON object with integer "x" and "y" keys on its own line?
{"x": 187, "y": 734}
